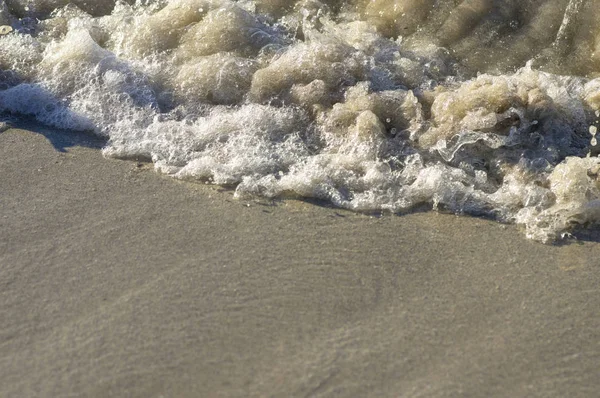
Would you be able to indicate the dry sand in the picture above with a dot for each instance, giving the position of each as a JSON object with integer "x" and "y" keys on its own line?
{"x": 116, "y": 281}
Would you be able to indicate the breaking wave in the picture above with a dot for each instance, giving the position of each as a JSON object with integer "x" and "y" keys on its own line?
{"x": 482, "y": 107}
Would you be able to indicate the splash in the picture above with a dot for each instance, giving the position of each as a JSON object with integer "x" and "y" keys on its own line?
{"x": 482, "y": 107}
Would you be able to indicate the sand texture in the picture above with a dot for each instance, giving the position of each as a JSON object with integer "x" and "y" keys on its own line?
{"x": 117, "y": 281}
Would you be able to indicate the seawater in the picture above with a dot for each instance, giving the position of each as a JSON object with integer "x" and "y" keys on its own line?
{"x": 482, "y": 107}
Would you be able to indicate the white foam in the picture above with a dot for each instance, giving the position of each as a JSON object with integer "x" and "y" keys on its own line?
{"x": 371, "y": 105}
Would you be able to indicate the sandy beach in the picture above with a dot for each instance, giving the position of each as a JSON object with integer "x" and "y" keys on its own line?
{"x": 117, "y": 281}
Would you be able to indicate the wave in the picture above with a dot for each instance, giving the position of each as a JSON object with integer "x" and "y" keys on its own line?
{"x": 482, "y": 107}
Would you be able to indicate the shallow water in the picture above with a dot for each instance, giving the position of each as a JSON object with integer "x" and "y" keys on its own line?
{"x": 482, "y": 107}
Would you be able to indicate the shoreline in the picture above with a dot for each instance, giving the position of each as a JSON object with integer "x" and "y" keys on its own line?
{"x": 117, "y": 280}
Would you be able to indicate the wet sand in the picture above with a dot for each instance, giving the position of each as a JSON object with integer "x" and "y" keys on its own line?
{"x": 117, "y": 281}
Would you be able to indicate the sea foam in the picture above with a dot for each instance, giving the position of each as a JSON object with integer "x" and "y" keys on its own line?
{"x": 476, "y": 107}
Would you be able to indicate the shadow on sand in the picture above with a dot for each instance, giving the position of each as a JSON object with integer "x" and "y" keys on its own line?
{"x": 61, "y": 140}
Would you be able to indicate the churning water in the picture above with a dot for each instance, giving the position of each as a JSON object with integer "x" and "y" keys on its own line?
{"x": 484, "y": 107}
